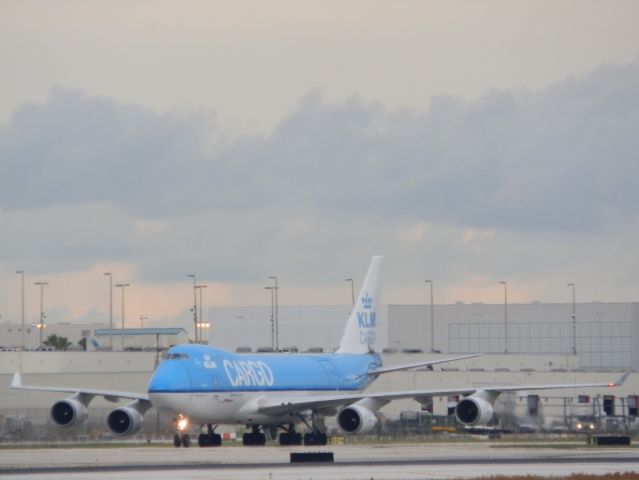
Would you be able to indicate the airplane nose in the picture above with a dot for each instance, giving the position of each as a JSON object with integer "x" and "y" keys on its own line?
{"x": 170, "y": 376}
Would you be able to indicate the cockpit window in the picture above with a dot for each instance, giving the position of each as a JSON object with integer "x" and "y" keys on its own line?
{"x": 176, "y": 356}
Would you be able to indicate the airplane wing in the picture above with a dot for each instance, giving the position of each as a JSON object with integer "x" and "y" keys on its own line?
{"x": 407, "y": 366}
{"x": 109, "y": 395}
{"x": 284, "y": 405}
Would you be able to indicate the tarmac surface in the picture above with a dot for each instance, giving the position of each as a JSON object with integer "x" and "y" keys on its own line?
{"x": 389, "y": 461}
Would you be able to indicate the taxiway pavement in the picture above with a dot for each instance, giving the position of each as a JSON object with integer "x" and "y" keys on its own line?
{"x": 389, "y": 461}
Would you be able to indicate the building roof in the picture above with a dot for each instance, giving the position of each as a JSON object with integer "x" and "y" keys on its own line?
{"x": 134, "y": 332}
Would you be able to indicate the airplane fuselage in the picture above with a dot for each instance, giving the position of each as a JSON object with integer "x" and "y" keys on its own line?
{"x": 212, "y": 385}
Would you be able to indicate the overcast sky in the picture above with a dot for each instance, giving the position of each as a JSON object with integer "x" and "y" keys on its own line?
{"x": 469, "y": 142}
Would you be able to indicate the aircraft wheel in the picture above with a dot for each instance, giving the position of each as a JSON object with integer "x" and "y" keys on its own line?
{"x": 315, "y": 438}
{"x": 177, "y": 441}
{"x": 209, "y": 440}
{"x": 186, "y": 440}
{"x": 254, "y": 438}
{"x": 286, "y": 439}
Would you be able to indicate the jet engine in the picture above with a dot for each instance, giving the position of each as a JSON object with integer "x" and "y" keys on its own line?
{"x": 68, "y": 412}
{"x": 356, "y": 419}
{"x": 125, "y": 420}
{"x": 474, "y": 411}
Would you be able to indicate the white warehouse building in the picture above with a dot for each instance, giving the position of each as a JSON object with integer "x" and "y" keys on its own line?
{"x": 601, "y": 334}
{"x": 532, "y": 346}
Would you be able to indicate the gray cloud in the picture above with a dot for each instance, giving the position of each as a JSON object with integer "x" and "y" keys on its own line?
{"x": 88, "y": 179}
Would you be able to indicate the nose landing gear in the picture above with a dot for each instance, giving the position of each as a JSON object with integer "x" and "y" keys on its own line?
{"x": 181, "y": 439}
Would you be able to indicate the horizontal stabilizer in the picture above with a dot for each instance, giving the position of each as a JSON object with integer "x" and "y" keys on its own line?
{"x": 620, "y": 381}
{"x": 16, "y": 381}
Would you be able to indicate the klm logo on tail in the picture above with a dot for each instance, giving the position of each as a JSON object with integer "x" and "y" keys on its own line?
{"x": 366, "y": 320}
{"x": 359, "y": 334}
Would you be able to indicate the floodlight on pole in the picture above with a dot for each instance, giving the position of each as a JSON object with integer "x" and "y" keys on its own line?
{"x": 122, "y": 286}
{"x": 22, "y": 345}
{"x": 277, "y": 319}
{"x": 505, "y": 284}
{"x": 192, "y": 275}
{"x": 108, "y": 274}
{"x": 200, "y": 323}
{"x": 352, "y": 290}
{"x": 272, "y": 290}
{"x": 574, "y": 320}
{"x": 432, "y": 317}
{"x": 41, "y": 325}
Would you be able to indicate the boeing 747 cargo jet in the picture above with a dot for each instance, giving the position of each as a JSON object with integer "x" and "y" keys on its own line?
{"x": 209, "y": 386}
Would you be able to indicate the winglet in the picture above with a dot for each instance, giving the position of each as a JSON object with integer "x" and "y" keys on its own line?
{"x": 620, "y": 380}
{"x": 16, "y": 381}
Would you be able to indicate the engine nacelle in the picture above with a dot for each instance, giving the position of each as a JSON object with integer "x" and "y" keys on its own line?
{"x": 474, "y": 411}
{"x": 68, "y": 412}
{"x": 125, "y": 420}
{"x": 356, "y": 419}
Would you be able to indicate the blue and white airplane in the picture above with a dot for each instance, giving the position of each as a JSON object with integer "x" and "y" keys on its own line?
{"x": 210, "y": 386}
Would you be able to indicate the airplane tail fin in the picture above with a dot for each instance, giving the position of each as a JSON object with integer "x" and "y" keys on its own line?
{"x": 359, "y": 334}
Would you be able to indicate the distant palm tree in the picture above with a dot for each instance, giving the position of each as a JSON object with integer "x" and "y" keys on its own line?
{"x": 58, "y": 343}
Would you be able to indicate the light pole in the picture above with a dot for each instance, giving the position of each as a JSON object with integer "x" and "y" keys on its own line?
{"x": 142, "y": 318}
{"x": 21, "y": 273}
{"x": 505, "y": 284}
{"x": 432, "y": 318}
{"x": 192, "y": 275}
{"x": 202, "y": 326}
{"x": 574, "y": 320}
{"x": 122, "y": 286}
{"x": 277, "y": 319}
{"x": 352, "y": 290}
{"x": 272, "y": 289}
{"x": 199, "y": 325}
{"x": 108, "y": 274}
{"x": 40, "y": 325}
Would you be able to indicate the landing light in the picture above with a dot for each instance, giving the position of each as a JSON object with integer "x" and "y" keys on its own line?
{"x": 182, "y": 423}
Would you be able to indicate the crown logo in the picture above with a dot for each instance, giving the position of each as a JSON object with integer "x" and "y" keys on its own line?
{"x": 367, "y": 301}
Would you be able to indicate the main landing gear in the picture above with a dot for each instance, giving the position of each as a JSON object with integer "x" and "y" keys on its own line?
{"x": 314, "y": 437}
{"x": 254, "y": 438}
{"x": 209, "y": 439}
{"x": 290, "y": 437}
